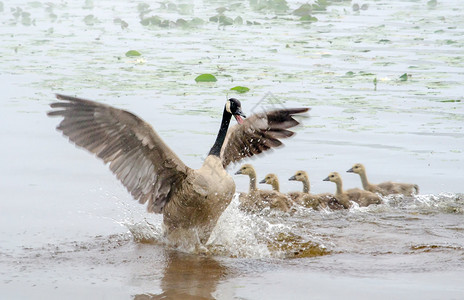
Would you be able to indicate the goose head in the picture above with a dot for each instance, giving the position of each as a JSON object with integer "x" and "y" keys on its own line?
{"x": 334, "y": 177}
{"x": 357, "y": 168}
{"x": 299, "y": 176}
{"x": 234, "y": 107}
{"x": 270, "y": 179}
{"x": 246, "y": 169}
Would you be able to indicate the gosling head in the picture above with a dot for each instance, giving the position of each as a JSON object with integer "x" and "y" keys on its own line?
{"x": 299, "y": 176}
{"x": 357, "y": 168}
{"x": 246, "y": 169}
{"x": 234, "y": 107}
{"x": 334, "y": 177}
{"x": 270, "y": 179}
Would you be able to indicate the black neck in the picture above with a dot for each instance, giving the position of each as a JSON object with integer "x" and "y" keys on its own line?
{"x": 216, "y": 149}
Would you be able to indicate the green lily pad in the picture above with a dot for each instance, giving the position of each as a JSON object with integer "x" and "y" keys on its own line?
{"x": 132, "y": 53}
{"x": 404, "y": 77}
{"x": 308, "y": 18}
{"x": 238, "y": 20}
{"x": 349, "y": 74}
{"x": 240, "y": 89}
{"x": 206, "y": 78}
{"x": 432, "y": 3}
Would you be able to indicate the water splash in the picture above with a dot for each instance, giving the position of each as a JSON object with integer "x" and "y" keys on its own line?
{"x": 239, "y": 234}
{"x": 271, "y": 234}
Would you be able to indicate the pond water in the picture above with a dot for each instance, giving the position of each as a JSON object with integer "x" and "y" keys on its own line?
{"x": 69, "y": 229}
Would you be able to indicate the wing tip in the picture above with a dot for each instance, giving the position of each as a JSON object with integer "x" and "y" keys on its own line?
{"x": 60, "y": 96}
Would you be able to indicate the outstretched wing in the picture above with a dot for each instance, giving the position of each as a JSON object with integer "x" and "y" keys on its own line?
{"x": 259, "y": 133}
{"x": 138, "y": 157}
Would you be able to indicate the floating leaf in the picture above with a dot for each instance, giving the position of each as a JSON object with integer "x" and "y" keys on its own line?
{"x": 182, "y": 23}
{"x": 205, "y": 78}
{"x": 308, "y": 18}
{"x": 153, "y": 20}
{"x": 132, "y": 53}
{"x": 404, "y": 77}
{"x": 320, "y": 5}
{"x": 303, "y": 10}
{"x": 450, "y": 101}
{"x": 223, "y": 20}
{"x": 240, "y": 89}
{"x": 90, "y": 20}
{"x": 238, "y": 20}
{"x": 432, "y": 3}
{"x": 362, "y": 73}
{"x": 196, "y": 22}
{"x": 349, "y": 74}
{"x": 121, "y": 22}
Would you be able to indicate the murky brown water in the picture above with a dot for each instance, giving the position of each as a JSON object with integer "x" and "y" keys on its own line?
{"x": 68, "y": 229}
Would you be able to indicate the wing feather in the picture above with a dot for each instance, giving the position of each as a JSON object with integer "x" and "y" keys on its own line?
{"x": 138, "y": 157}
{"x": 259, "y": 133}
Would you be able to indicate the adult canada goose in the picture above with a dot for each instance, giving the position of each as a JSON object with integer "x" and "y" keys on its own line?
{"x": 256, "y": 199}
{"x": 384, "y": 188}
{"x": 191, "y": 201}
{"x": 363, "y": 198}
{"x": 280, "y": 201}
{"x": 307, "y": 199}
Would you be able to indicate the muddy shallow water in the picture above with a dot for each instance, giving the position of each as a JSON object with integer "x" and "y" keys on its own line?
{"x": 69, "y": 229}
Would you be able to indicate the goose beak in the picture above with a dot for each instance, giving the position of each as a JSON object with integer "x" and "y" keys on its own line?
{"x": 238, "y": 116}
{"x": 350, "y": 171}
{"x": 292, "y": 178}
{"x": 263, "y": 181}
{"x": 238, "y": 172}
{"x": 327, "y": 179}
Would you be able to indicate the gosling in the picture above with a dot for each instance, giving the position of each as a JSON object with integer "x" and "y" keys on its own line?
{"x": 363, "y": 198}
{"x": 257, "y": 199}
{"x": 307, "y": 199}
{"x": 384, "y": 188}
{"x": 281, "y": 201}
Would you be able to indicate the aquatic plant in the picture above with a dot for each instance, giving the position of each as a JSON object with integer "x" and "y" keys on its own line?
{"x": 205, "y": 78}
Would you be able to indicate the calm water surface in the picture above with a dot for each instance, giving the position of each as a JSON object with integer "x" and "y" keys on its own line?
{"x": 68, "y": 229}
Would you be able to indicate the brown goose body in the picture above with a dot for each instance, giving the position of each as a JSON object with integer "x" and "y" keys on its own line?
{"x": 198, "y": 202}
{"x": 384, "y": 188}
{"x": 305, "y": 198}
{"x": 191, "y": 201}
{"x": 363, "y": 198}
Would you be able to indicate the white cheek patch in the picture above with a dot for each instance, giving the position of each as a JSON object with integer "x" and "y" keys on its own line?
{"x": 228, "y": 107}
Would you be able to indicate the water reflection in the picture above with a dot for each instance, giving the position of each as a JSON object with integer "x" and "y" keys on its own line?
{"x": 188, "y": 277}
